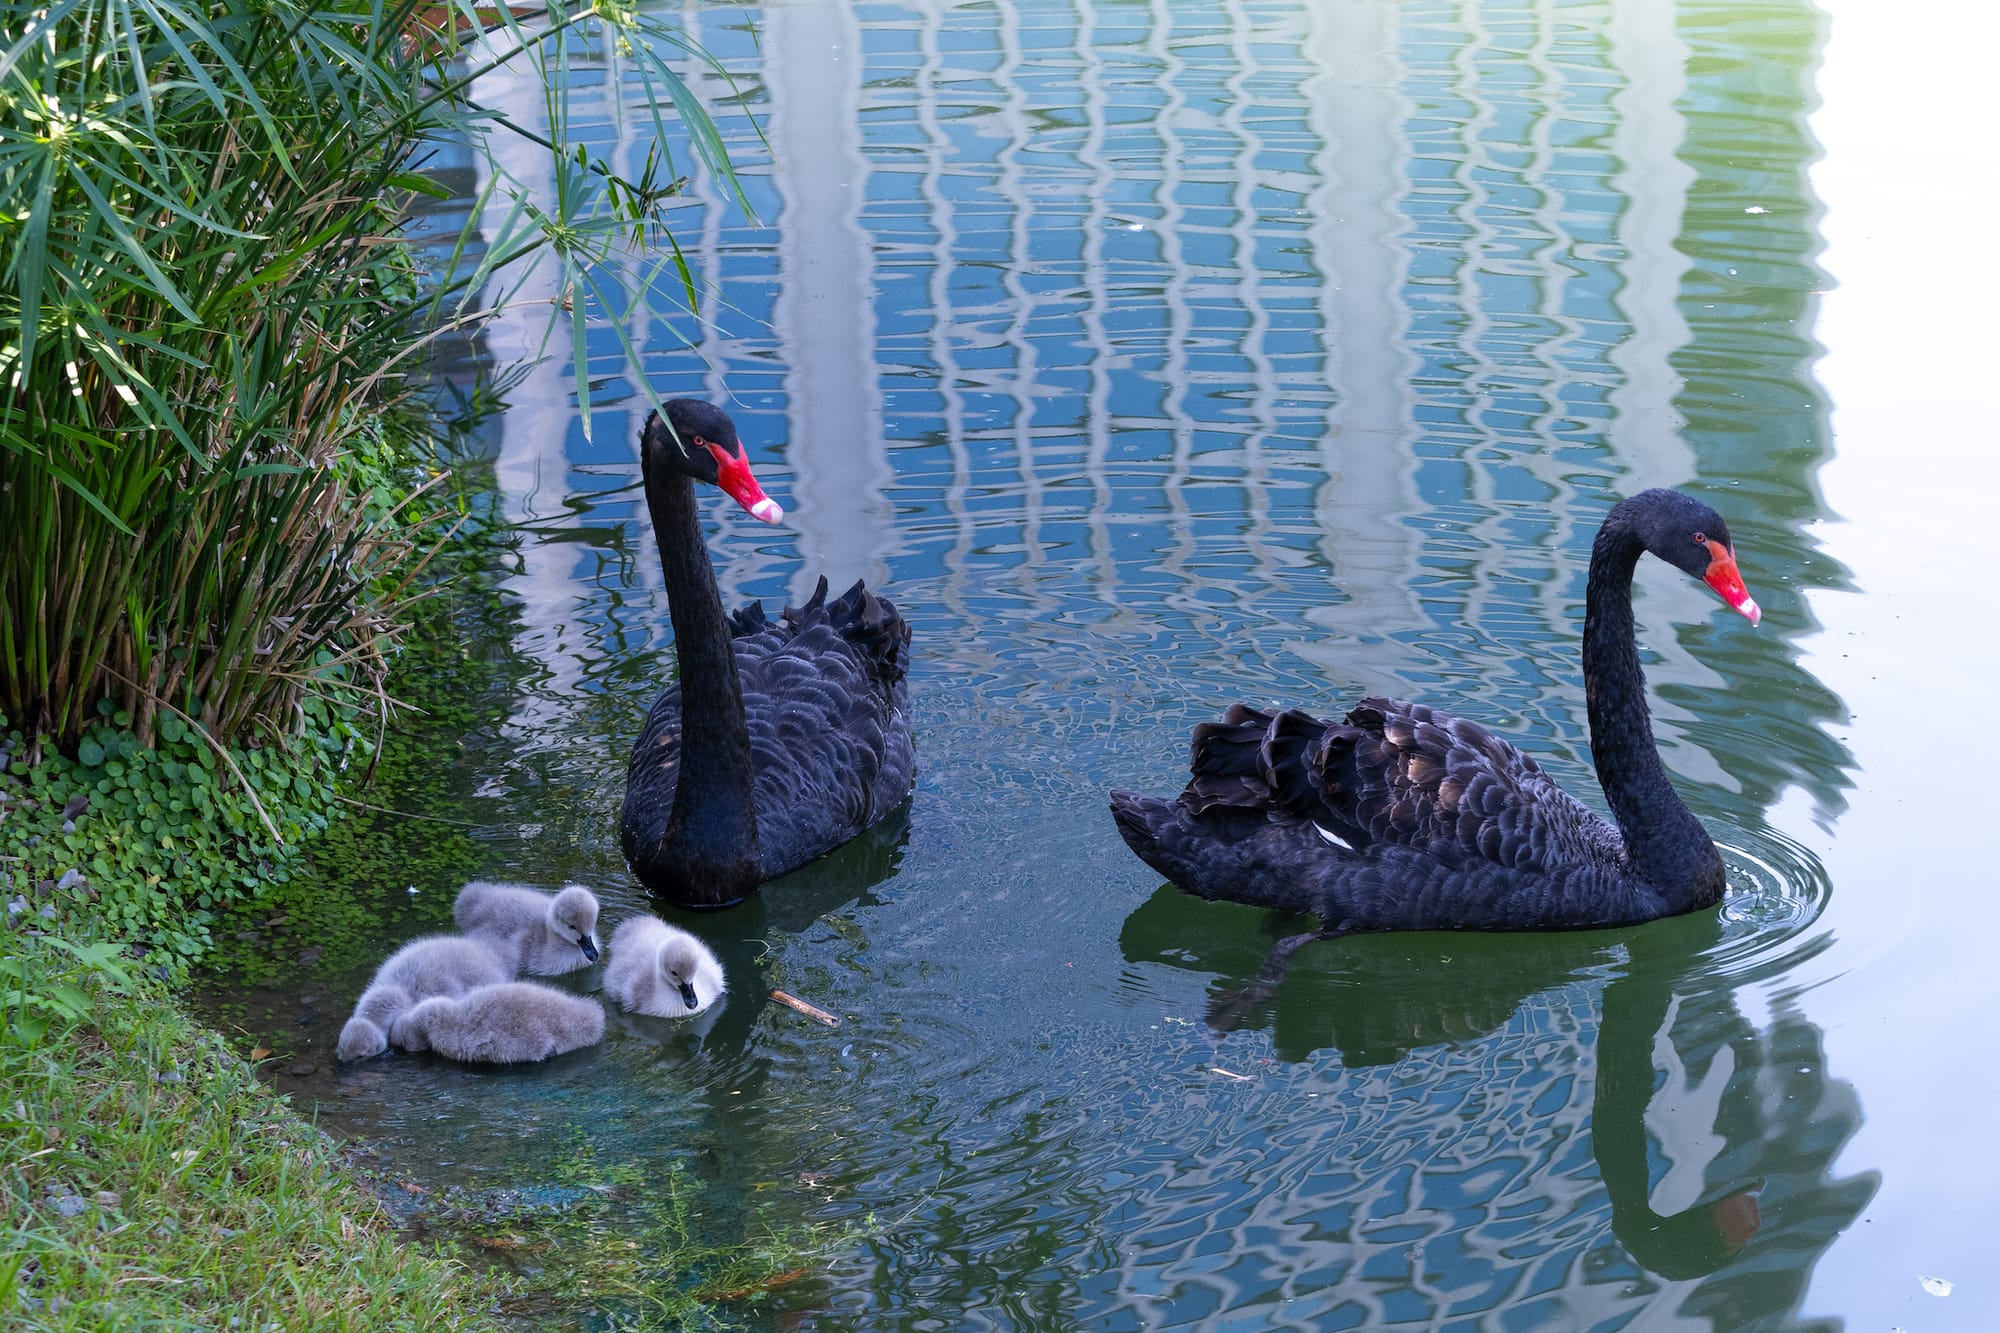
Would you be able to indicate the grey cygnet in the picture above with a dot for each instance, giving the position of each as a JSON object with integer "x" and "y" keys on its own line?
{"x": 541, "y": 934}
{"x": 510, "y": 1023}
{"x": 431, "y": 965}
{"x": 660, "y": 969}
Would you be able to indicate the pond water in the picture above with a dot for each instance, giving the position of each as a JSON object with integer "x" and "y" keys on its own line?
{"x": 1155, "y": 357}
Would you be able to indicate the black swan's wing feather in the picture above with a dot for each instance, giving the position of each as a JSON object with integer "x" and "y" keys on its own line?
{"x": 1395, "y": 773}
{"x": 1275, "y": 860}
{"x": 831, "y": 741}
{"x": 1400, "y": 816}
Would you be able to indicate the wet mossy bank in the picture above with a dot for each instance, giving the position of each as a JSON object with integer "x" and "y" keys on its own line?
{"x": 159, "y": 1178}
{"x": 151, "y": 1179}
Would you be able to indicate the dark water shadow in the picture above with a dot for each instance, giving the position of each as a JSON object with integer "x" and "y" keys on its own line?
{"x": 846, "y": 877}
{"x": 830, "y": 889}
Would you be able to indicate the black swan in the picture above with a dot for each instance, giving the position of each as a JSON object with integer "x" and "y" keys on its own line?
{"x": 1405, "y": 817}
{"x": 779, "y": 741}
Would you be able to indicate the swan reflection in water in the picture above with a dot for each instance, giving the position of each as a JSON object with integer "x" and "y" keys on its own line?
{"x": 1707, "y": 1143}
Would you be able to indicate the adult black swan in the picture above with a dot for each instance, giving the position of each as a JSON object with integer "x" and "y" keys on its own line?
{"x": 779, "y": 741}
{"x": 1405, "y": 817}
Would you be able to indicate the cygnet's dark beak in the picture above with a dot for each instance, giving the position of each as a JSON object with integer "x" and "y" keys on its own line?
{"x": 589, "y": 947}
{"x": 687, "y": 995}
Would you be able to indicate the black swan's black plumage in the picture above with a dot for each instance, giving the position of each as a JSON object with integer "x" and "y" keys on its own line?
{"x": 781, "y": 740}
{"x": 1406, "y": 817}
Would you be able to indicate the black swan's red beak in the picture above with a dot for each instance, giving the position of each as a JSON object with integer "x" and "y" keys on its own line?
{"x": 733, "y": 475}
{"x": 1727, "y": 580}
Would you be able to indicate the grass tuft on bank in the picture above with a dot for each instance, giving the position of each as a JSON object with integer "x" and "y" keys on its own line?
{"x": 150, "y": 1181}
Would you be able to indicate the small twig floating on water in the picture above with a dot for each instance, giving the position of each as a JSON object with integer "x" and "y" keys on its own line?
{"x": 809, "y": 1010}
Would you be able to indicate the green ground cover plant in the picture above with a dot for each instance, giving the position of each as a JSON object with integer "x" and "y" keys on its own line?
{"x": 147, "y": 844}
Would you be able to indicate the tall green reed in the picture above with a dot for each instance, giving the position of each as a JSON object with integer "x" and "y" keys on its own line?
{"x": 212, "y": 327}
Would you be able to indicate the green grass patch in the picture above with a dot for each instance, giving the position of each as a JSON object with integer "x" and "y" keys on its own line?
{"x": 150, "y": 1181}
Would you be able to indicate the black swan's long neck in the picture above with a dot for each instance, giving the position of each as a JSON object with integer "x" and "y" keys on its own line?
{"x": 1667, "y": 845}
{"x": 714, "y": 819}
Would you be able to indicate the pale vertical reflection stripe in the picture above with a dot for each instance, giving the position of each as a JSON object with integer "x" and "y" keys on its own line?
{"x": 928, "y": 87}
{"x": 1244, "y": 224}
{"x": 679, "y": 373}
{"x": 633, "y": 561}
{"x": 531, "y": 468}
{"x": 1097, "y": 223}
{"x": 1563, "y": 512}
{"x": 706, "y": 374}
{"x": 1563, "y": 509}
{"x": 1644, "y": 434}
{"x": 824, "y": 312}
{"x": 1472, "y": 212}
{"x": 1011, "y": 115}
{"x": 1554, "y": 244}
{"x": 1097, "y": 425}
{"x": 1496, "y": 360}
{"x": 1184, "y": 557}
{"x": 1647, "y": 131}
{"x": 1360, "y": 244}
{"x": 702, "y": 369}
{"x": 1553, "y": 273}
{"x": 640, "y": 569}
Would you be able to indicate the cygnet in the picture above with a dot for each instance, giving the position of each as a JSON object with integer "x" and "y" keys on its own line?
{"x": 660, "y": 969}
{"x": 509, "y": 1023}
{"x": 367, "y": 1032}
{"x": 539, "y": 933}
{"x": 431, "y": 965}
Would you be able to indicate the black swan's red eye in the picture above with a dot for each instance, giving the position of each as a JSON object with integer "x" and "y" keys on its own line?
{"x": 1701, "y": 539}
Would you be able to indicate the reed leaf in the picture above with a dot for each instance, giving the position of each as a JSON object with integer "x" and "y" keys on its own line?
{"x": 219, "y": 318}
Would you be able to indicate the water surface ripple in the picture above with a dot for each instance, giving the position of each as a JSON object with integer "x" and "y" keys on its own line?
{"x": 1156, "y": 357}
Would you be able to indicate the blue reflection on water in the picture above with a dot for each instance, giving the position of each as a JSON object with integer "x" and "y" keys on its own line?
{"x": 1155, "y": 359}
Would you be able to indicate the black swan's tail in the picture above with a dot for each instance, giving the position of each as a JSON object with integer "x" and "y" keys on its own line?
{"x": 1237, "y": 854}
{"x": 1137, "y": 817}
